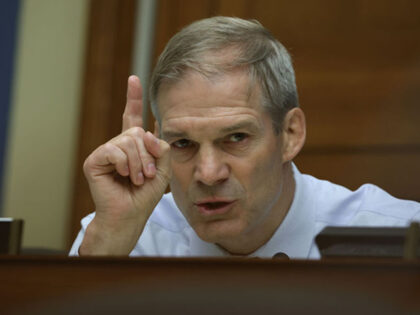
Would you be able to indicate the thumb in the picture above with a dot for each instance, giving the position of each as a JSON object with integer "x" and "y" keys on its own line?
{"x": 160, "y": 149}
{"x": 163, "y": 164}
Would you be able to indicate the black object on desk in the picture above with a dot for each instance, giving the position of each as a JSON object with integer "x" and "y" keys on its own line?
{"x": 370, "y": 242}
{"x": 10, "y": 235}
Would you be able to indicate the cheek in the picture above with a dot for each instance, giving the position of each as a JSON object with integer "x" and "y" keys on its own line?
{"x": 264, "y": 178}
{"x": 180, "y": 182}
{"x": 179, "y": 191}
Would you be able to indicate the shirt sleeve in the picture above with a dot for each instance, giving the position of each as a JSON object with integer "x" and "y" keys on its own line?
{"x": 74, "y": 251}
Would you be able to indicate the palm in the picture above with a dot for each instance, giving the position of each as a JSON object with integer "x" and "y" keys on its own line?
{"x": 118, "y": 196}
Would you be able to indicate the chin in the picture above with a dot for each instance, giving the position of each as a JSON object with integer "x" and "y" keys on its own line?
{"x": 219, "y": 231}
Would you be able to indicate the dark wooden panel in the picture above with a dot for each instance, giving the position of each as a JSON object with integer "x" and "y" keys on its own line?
{"x": 107, "y": 66}
{"x": 240, "y": 8}
{"x": 207, "y": 286}
{"x": 363, "y": 108}
{"x": 394, "y": 169}
{"x": 175, "y": 14}
{"x": 357, "y": 65}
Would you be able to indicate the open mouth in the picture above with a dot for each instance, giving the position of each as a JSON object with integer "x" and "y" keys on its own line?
{"x": 214, "y": 205}
{"x": 214, "y": 208}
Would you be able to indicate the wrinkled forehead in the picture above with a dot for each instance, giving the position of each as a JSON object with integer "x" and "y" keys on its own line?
{"x": 250, "y": 84}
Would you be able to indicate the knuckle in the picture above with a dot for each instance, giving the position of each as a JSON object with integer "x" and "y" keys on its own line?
{"x": 126, "y": 116}
{"x": 89, "y": 162}
{"x": 86, "y": 165}
{"x": 125, "y": 141}
{"x": 145, "y": 155}
{"x": 136, "y": 131}
{"x": 112, "y": 153}
{"x": 107, "y": 147}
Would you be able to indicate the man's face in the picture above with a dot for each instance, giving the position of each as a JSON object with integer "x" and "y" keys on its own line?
{"x": 226, "y": 159}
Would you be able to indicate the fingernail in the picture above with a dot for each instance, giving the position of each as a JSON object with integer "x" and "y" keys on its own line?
{"x": 140, "y": 178}
{"x": 151, "y": 168}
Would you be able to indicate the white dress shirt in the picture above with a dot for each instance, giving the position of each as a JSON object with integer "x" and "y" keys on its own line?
{"x": 316, "y": 204}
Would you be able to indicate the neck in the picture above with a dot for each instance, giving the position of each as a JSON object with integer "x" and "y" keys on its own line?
{"x": 262, "y": 233}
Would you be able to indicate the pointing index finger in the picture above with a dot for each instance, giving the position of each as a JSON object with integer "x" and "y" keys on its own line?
{"x": 132, "y": 116}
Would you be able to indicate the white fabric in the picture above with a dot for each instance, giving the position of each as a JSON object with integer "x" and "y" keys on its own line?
{"x": 317, "y": 203}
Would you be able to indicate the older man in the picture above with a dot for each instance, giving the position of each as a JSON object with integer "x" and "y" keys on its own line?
{"x": 228, "y": 127}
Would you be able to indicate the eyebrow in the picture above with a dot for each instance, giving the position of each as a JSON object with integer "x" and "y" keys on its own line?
{"x": 248, "y": 125}
{"x": 169, "y": 134}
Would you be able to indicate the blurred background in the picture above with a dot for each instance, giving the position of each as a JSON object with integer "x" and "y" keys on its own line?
{"x": 64, "y": 67}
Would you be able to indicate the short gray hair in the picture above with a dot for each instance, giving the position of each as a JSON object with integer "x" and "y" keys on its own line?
{"x": 250, "y": 46}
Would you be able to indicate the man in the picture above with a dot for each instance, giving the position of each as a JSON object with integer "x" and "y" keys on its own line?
{"x": 228, "y": 127}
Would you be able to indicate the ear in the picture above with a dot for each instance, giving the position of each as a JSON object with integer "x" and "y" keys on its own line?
{"x": 156, "y": 132}
{"x": 294, "y": 133}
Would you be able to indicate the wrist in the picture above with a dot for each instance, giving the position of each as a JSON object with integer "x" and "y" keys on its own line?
{"x": 103, "y": 239}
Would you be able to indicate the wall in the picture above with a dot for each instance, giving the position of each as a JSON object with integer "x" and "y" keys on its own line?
{"x": 44, "y": 119}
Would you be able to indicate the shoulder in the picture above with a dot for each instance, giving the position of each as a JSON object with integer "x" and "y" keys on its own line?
{"x": 378, "y": 207}
{"x": 368, "y": 205}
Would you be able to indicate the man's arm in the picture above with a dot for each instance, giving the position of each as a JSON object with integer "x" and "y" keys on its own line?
{"x": 127, "y": 177}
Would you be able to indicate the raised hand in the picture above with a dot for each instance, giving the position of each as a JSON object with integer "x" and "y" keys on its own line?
{"x": 127, "y": 177}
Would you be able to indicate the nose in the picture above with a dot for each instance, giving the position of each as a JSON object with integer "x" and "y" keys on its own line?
{"x": 210, "y": 168}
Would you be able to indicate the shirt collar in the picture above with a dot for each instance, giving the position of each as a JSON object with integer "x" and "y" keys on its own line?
{"x": 294, "y": 236}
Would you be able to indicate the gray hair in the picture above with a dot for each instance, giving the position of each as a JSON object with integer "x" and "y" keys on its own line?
{"x": 218, "y": 45}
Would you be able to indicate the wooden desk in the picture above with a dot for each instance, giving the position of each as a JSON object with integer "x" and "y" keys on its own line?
{"x": 62, "y": 285}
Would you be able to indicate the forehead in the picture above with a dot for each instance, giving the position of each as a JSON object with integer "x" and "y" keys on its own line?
{"x": 222, "y": 99}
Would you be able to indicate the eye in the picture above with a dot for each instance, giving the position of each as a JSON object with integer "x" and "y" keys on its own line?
{"x": 237, "y": 137}
{"x": 182, "y": 144}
